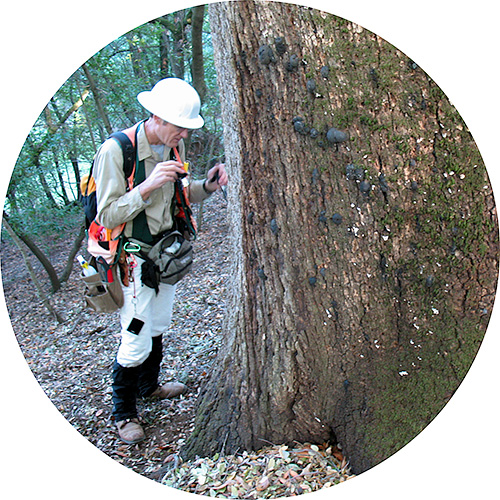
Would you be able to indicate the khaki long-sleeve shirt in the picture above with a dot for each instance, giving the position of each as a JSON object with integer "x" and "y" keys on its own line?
{"x": 115, "y": 205}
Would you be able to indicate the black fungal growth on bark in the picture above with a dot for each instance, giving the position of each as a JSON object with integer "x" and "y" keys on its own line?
{"x": 311, "y": 86}
{"x": 354, "y": 173}
{"x": 280, "y": 45}
{"x": 292, "y": 63}
{"x": 384, "y": 187}
{"x": 365, "y": 187}
{"x": 337, "y": 219}
{"x": 266, "y": 55}
{"x": 299, "y": 126}
{"x": 336, "y": 136}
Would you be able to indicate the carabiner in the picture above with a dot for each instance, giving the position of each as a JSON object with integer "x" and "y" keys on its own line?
{"x": 131, "y": 247}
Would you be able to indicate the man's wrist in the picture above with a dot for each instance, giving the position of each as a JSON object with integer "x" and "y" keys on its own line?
{"x": 205, "y": 187}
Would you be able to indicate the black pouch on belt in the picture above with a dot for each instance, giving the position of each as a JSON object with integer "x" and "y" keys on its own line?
{"x": 150, "y": 274}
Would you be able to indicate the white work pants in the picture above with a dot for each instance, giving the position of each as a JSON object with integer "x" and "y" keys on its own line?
{"x": 143, "y": 305}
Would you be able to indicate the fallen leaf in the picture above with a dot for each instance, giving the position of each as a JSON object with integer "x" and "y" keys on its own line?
{"x": 263, "y": 483}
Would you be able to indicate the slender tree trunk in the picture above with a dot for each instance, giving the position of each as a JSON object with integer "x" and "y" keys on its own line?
{"x": 172, "y": 47}
{"x": 197, "y": 65}
{"x": 97, "y": 99}
{"x": 77, "y": 243}
{"x": 364, "y": 234}
{"x": 51, "y": 272}
{"x": 76, "y": 171}
{"x": 42, "y": 178}
{"x": 87, "y": 119}
{"x": 32, "y": 273}
{"x": 211, "y": 147}
{"x": 60, "y": 178}
{"x": 135, "y": 57}
{"x": 164, "y": 54}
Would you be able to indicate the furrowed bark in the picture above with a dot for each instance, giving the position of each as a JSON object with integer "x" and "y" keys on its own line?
{"x": 364, "y": 270}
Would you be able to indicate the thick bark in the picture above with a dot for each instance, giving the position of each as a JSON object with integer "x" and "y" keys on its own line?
{"x": 364, "y": 271}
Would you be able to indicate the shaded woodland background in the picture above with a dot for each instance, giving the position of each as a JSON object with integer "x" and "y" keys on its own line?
{"x": 42, "y": 205}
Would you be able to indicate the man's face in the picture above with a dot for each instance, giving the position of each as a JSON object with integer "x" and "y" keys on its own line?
{"x": 169, "y": 134}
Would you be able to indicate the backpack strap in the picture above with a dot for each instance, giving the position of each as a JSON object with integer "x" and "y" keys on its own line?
{"x": 128, "y": 148}
{"x": 184, "y": 219}
{"x": 140, "y": 227}
{"x": 128, "y": 141}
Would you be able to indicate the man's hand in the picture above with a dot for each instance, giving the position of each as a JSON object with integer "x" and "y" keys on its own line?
{"x": 216, "y": 178}
{"x": 167, "y": 171}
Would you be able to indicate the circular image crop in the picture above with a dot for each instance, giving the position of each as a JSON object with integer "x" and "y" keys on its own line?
{"x": 344, "y": 234}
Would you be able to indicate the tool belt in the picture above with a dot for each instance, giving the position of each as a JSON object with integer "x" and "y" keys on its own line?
{"x": 103, "y": 292}
{"x": 167, "y": 260}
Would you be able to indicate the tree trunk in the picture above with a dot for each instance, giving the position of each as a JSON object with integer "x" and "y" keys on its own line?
{"x": 32, "y": 273}
{"x": 42, "y": 177}
{"x": 197, "y": 65}
{"x": 172, "y": 47}
{"x": 365, "y": 264}
{"x": 135, "y": 57}
{"x": 60, "y": 178}
{"x": 47, "y": 265}
{"x": 164, "y": 53}
{"x": 76, "y": 170}
{"x": 97, "y": 99}
{"x": 77, "y": 243}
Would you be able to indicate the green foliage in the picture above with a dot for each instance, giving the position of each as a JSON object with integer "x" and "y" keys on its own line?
{"x": 100, "y": 97}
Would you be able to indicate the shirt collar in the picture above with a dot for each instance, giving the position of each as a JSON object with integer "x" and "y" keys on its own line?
{"x": 144, "y": 148}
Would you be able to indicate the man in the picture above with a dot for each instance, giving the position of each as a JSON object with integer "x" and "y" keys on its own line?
{"x": 174, "y": 106}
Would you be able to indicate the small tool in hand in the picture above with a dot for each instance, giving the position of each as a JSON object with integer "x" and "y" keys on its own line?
{"x": 215, "y": 178}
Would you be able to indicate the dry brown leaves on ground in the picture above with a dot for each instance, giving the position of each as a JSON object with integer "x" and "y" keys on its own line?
{"x": 276, "y": 471}
{"x": 72, "y": 362}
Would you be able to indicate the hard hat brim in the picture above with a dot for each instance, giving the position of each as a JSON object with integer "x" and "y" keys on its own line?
{"x": 151, "y": 104}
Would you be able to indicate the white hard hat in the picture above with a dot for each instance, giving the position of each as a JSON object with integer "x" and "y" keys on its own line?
{"x": 174, "y": 101}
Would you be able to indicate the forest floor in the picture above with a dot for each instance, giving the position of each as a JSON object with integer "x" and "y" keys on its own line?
{"x": 72, "y": 363}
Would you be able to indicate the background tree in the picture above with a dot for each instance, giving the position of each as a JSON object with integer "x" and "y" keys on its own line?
{"x": 364, "y": 234}
{"x": 100, "y": 97}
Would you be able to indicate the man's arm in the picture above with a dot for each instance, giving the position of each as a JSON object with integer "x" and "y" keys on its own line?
{"x": 114, "y": 204}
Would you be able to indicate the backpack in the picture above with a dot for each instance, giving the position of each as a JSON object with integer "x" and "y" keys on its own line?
{"x": 88, "y": 186}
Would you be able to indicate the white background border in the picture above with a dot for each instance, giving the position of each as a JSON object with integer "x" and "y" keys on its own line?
{"x": 43, "y": 43}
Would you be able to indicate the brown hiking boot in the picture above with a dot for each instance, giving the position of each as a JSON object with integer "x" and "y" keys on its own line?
{"x": 130, "y": 431}
{"x": 169, "y": 390}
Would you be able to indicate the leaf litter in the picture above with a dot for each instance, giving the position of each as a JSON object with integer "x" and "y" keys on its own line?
{"x": 274, "y": 471}
{"x": 73, "y": 361}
